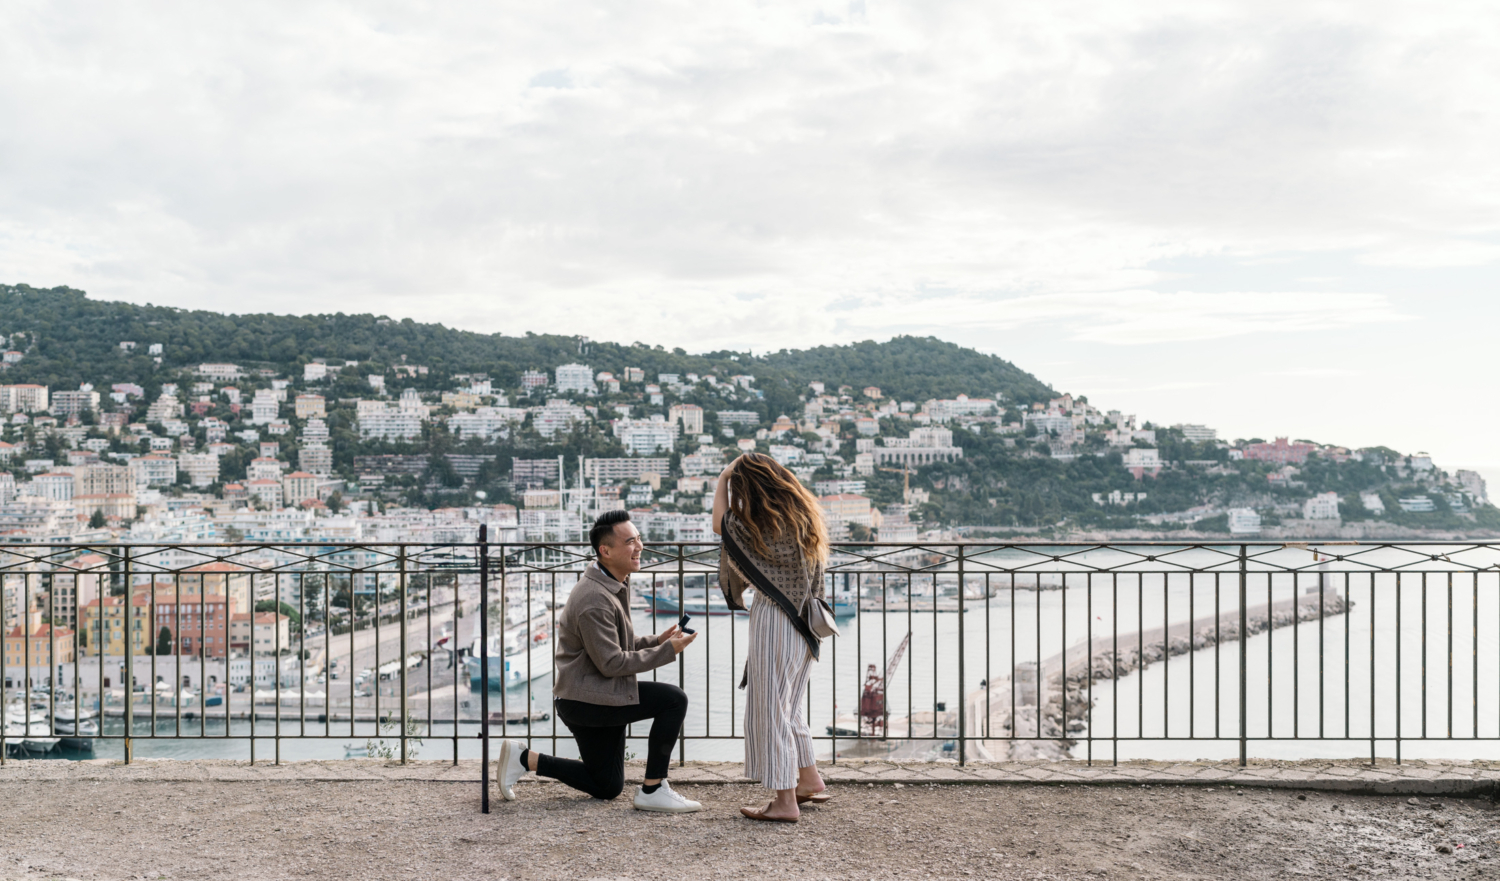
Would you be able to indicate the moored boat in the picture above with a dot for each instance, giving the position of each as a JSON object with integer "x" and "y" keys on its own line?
{"x": 27, "y": 731}
{"x": 520, "y": 653}
{"x": 75, "y": 733}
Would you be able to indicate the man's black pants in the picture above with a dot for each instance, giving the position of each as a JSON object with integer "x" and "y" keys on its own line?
{"x": 600, "y": 733}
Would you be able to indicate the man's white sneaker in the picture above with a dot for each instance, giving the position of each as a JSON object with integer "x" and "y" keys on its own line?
{"x": 664, "y": 800}
{"x": 508, "y": 768}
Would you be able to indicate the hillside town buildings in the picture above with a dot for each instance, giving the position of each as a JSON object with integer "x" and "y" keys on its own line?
{"x": 223, "y": 452}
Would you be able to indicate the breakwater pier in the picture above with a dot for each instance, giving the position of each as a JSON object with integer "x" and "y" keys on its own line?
{"x": 1048, "y": 702}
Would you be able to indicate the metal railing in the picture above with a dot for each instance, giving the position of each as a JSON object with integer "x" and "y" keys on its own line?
{"x": 1007, "y": 650}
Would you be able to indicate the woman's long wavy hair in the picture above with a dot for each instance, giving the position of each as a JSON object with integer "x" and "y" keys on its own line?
{"x": 772, "y": 503}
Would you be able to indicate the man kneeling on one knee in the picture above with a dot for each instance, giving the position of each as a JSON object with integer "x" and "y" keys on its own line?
{"x": 595, "y": 689}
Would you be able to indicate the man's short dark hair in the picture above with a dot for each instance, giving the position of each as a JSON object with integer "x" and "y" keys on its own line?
{"x": 605, "y": 527}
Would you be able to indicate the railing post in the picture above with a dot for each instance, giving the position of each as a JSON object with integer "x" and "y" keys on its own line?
{"x": 1244, "y": 661}
{"x": 5, "y": 697}
{"x": 401, "y": 574}
{"x": 963, "y": 697}
{"x": 127, "y": 673}
{"x": 484, "y": 663}
{"x": 681, "y": 669}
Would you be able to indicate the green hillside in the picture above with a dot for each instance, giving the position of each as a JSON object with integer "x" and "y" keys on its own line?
{"x": 70, "y": 338}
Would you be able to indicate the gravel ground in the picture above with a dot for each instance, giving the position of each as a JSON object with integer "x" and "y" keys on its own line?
{"x": 408, "y": 830}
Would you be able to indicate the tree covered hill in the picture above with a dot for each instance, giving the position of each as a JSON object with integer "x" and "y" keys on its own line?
{"x": 69, "y": 338}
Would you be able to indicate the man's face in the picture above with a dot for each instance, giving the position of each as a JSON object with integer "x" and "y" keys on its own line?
{"x": 621, "y": 552}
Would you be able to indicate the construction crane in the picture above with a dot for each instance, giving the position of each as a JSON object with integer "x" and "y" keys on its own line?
{"x": 872, "y": 700}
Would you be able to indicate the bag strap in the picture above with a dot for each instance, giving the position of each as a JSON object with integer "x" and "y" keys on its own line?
{"x": 763, "y": 584}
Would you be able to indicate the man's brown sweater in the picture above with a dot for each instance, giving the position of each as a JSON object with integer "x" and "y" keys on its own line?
{"x": 598, "y": 653}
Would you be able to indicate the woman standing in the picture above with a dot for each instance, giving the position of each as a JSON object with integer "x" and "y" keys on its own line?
{"x": 775, "y": 542}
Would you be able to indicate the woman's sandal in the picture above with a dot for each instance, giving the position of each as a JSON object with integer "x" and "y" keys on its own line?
{"x": 754, "y": 814}
{"x": 817, "y": 798}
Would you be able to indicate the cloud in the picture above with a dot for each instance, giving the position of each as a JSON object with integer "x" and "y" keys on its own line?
{"x": 744, "y": 174}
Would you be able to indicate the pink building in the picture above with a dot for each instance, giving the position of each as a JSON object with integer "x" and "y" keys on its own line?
{"x": 1280, "y": 452}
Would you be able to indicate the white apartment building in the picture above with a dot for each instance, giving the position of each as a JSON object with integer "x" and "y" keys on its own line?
{"x": 1197, "y": 433}
{"x": 411, "y": 400}
{"x": 1473, "y": 484}
{"x": 74, "y": 403}
{"x": 614, "y": 471}
{"x": 263, "y": 468}
{"x": 264, "y": 408}
{"x": 154, "y": 470}
{"x": 54, "y": 487}
{"x": 486, "y": 423}
{"x": 785, "y": 454}
{"x": 738, "y": 417}
{"x": 922, "y": 437}
{"x": 1124, "y": 437}
{"x": 922, "y": 446}
{"x": 846, "y": 508}
{"x": 550, "y": 525}
{"x": 268, "y": 491}
{"x": 559, "y": 416}
{"x": 708, "y": 460}
{"x": 315, "y": 458}
{"x": 201, "y": 468}
{"x": 576, "y": 378}
{"x": 315, "y": 431}
{"x": 1372, "y": 502}
{"x": 643, "y": 439}
{"x": 1244, "y": 521}
{"x": 220, "y": 372}
{"x": 667, "y": 526}
{"x": 963, "y": 405}
{"x": 1115, "y": 497}
{"x": 1050, "y": 423}
{"x": 646, "y": 436}
{"x": 913, "y": 456}
{"x": 1323, "y": 506}
{"x": 298, "y": 487}
{"x": 381, "y": 421}
{"x": 164, "y": 409}
{"x": 689, "y": 415}
{"x": 314, "y": 372}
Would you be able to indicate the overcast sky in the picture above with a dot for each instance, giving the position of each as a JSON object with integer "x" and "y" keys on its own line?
{"x": 1271, "y": 218}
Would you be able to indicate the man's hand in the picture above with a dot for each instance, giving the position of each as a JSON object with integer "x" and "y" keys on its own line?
{"x": 682, "y": 641}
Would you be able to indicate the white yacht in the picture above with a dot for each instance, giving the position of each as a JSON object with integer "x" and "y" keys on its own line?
{"x": 76, "y": 733}
{"x": 28, "y": 731}
{"x": 527, "y": 648}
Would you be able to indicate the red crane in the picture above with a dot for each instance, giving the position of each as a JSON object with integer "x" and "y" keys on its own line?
{"x": 872, "y": 700}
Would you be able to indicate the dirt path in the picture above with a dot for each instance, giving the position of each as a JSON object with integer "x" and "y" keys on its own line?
{"x": 410, "y": 830}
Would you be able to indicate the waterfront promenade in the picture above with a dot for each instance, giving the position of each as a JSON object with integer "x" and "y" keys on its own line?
{"x": 368, "y": 819}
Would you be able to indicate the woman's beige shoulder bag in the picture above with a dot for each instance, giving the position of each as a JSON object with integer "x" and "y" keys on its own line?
{"x": 819, "y": 617}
